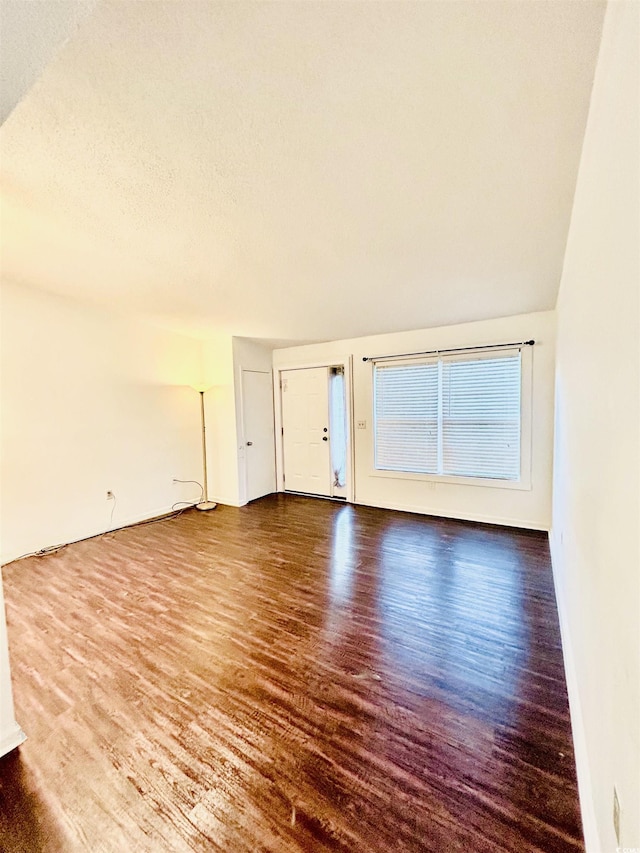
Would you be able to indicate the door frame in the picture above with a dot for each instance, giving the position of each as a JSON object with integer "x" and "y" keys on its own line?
{"x": 243, "y": 473}
{"x": 346, "y": 362}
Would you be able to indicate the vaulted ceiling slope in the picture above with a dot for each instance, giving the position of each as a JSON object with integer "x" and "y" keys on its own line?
{"x": 306, "y": 171}
{"x": 31, "y": 33}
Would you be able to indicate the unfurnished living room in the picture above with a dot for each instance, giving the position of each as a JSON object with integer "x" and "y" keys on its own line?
{"x": 320, "y": 426}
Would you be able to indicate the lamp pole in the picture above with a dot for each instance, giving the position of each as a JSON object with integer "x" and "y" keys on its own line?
{"x": 205, "y": 504}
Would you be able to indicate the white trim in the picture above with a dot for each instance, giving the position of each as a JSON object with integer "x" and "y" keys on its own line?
{"x": 453, "y": 352}
{"x": 444, "y": 356}
{"x": 585, "y": 787}
{"x": 304, "y": 365}
{"x": 223, "y": 500}
{"x": 351, "y": 426}
{"x": 459, "y": 516}
{"x": 243, "y": 473}
{"x": 12, "y": 739}
{"x": 456, "y": 481}
{"x": 344, "y": 361}
{"x": 241, "y": 440}
{"x": 277, "y": 417}
{"x": 523, "y": 484}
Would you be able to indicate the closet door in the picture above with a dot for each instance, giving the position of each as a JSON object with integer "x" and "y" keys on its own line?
{"x": 257, "y": 425}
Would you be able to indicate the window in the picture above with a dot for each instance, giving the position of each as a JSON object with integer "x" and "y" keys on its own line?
{"x": 449, "y": 416}
{"x": 338, "y": 429}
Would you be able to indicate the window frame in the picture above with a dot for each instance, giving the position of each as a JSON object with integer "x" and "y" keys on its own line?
{"x": 526, "y": 422}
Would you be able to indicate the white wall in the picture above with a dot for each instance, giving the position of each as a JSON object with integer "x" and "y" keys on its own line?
{"x": 247, "y": 355}
{"x": 220, "y": 414}
{"x": 596, "y": 508}
{"x": 223, "y": 358}
{"x": 90, "y": 402}
{"x": 526, "y": 508}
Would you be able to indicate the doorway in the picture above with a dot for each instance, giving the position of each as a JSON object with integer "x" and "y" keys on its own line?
{"x": 258, "y": 434}
{"x": 315, "y": 431}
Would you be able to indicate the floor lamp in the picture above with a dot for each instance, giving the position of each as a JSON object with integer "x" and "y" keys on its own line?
{"x": 205, "y": 504}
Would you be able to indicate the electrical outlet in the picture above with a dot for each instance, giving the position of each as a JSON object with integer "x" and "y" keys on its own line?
{"x": 616, "y": 815}
{"x": 110, "y": 496}
{"x": 362, "y": 424}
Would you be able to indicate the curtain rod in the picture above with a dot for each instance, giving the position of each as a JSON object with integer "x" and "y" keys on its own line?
{"x": 454, "y": 349}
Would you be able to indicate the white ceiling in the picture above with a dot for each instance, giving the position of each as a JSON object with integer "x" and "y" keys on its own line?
{"x": 31, "y": 33}
{"x": 303, "y": 171}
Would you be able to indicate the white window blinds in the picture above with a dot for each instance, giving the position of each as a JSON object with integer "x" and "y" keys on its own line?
{"x": 481, "y": 418}
{"x": 450, "y": 416}
{"x": 406, "y": 417}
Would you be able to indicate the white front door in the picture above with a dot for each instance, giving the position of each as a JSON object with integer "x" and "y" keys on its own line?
{"x": 305, "y": 424}
{"x": 259, "y": 445}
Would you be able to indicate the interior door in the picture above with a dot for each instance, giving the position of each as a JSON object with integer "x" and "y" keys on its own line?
{"x": 305, "y": 424}
{"x": 259, "y": 444}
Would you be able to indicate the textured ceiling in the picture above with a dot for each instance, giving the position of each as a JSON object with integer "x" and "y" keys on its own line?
{"x": 304, "y": 171}
{"x": 31, "y": 33}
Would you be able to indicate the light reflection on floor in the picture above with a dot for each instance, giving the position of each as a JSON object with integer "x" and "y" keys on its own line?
{"x": 485, "y": 646}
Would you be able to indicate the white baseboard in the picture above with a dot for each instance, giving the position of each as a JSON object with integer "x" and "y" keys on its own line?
{"x": 11, "y": 739}
{"x": 483, "y": 519}
{"x": 226, "y": 501}
{"x": 585, "y": 789}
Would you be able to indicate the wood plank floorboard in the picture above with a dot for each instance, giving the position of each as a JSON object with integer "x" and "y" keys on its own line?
{"x": 296, "y": 675}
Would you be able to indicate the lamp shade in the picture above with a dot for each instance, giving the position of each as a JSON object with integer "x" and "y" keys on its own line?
{"x": 201, "y": 387}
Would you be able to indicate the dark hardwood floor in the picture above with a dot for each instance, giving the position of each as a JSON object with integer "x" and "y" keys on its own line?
{"x": 295, "y": 675}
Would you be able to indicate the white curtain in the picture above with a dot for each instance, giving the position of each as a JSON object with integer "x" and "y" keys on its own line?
{"x": 338, "y": 426}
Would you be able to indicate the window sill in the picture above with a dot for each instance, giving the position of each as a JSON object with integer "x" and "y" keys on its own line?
{"x": 521, "y": 485}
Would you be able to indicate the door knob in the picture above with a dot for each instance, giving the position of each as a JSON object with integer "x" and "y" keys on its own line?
{"x": 325, "y": 430}
{"x": 324, "y": 438}
{"x": 249, "y": 444}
